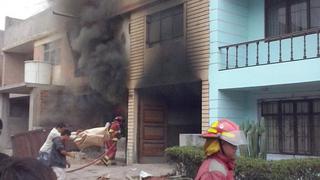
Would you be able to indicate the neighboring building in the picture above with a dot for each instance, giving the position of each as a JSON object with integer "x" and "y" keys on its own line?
{"x": 168, "y": 76}
{"x": 264, "y": 63}
{"x": 36, "y": 60}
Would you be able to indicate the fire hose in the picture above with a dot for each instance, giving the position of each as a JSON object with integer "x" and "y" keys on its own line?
{"x": 91, "y": 162}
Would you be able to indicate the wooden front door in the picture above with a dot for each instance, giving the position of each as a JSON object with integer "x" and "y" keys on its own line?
{"x": 152, "y": 131}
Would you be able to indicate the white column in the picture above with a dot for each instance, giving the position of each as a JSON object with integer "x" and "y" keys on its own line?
{"x": 132, "y": 127}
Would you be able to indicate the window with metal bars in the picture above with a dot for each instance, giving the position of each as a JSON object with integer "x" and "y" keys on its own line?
{"x": 165, "y": 25}
{"x": 291, "y": 16}
{"x": 292, "y": 126}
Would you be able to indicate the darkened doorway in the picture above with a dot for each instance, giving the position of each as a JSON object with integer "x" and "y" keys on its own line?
{"x": 18, "y": 114}
{"x": 164, "y": 113}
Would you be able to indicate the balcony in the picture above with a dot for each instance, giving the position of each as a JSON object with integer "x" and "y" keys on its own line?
{"x": 293, "y": 47}
{"x": 290, "y": 59}
{"x": 37, "y": 72}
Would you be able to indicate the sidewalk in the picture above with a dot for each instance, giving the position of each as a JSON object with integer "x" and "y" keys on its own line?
{"x": 118, "y": 172}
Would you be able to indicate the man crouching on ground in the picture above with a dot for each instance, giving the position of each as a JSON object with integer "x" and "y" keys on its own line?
{"x": 45, "y": 149}
{"x": 58, "y": 154}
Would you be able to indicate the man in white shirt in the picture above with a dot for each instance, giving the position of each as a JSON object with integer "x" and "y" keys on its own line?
{"x": 45, "y": 149}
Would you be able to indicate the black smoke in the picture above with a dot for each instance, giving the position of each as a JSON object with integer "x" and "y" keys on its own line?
{"x": 100, "y": 50}
{"x": 97, "y": 41}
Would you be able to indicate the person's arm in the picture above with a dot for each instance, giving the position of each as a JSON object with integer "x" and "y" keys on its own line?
{"x": 68, "y": 164}
{"x": 75, "y": 134}
{"x": 60, "y": 147}
{"x": 66, "y": 153}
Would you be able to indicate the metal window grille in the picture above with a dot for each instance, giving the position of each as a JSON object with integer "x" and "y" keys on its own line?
{"x": 292, "y": 126}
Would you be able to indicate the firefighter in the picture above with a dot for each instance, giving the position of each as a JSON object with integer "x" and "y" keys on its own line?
{"x": 222, "y": 139}
{"x": 111, "y": 143}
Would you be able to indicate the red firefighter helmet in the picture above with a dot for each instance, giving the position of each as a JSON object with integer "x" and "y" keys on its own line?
{"x": 119, "y": 119}
{"x": 226, "y": 130}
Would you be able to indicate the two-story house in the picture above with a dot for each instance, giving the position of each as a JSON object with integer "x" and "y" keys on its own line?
{"x": 168, "y": 87}
{"x": 168, "y": 76}
{"x": 264, "y": 63}
{"x": 37, "y": 64}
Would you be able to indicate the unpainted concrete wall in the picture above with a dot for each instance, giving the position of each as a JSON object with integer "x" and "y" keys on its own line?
{"x": 11, "y": 21}
{"x": 1, "y": 39}
{"x": 13, "y": 68}
{"x": 33, "y": 28}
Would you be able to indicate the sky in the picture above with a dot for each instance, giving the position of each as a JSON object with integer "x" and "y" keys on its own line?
{"x": 20, "y": 9}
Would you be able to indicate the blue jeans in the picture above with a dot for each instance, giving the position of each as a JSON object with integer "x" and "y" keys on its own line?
{"x": 44, "y": 158}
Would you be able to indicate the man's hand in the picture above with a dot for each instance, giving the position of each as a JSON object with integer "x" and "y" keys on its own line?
{"x": 68, "y": 164}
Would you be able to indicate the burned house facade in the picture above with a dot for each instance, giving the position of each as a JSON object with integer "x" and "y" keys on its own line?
{"x": 167, "y": 76}
{"x": 160, "y": 48}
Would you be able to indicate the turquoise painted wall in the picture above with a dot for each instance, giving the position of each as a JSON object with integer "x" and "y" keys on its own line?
{"x": 251, "y": 113}
{"x": 228, "y": 25}
{"x": 268, "y": 75}
{"x": 236, "y": 21}
{"x": 255, "y": 20}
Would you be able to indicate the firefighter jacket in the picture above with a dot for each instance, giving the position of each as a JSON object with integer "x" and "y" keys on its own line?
{"x": 216, "y": 167}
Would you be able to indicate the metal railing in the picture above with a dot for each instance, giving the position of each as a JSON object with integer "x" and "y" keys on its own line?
{"x": 261, "y": 51}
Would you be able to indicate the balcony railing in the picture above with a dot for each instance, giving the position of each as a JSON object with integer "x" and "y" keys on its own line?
{"x": 292, "y": 47}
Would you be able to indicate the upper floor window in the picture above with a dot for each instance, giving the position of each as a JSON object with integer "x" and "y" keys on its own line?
{"x": 165, "y": 25}
{"x": 289, "y": 16}
{"x": 52, "y": 52}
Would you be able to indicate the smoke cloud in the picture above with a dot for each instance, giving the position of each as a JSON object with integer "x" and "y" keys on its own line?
{"x": 98, "y": 44}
